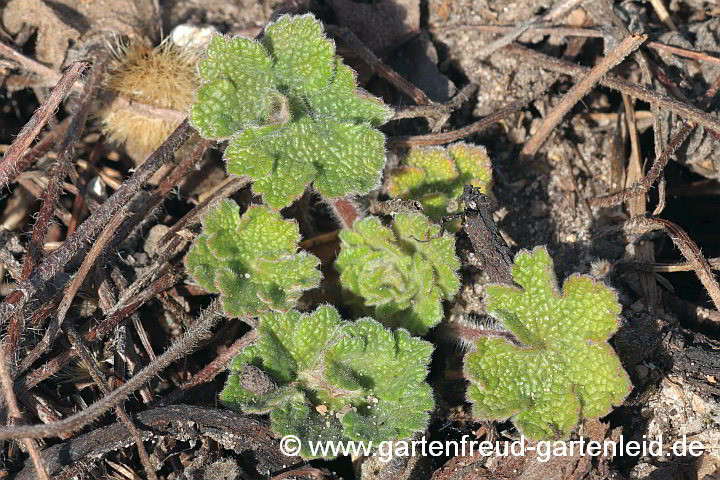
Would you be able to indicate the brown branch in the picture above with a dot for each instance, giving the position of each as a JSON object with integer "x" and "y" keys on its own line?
{"x": 56, "y": 261}
{"x": 77, "y": 281}
{"x": 687, "y": 247}
{"x": 38, "y": 150}
{"x": 210, "y": 370}
{"x": 11, "y": 401}
{"x": 179, "y": 348}
{"x": 579, "y": 90}
{"x": 113, "y": 317}
{"x": 633, "y": 89}
{"x": 660, "y": 162}
{"x": 8, "y": 165}
{"x": 453, "y": 135}
{"x": 189, "y": 218}
{"x": 82, "y": 351}
{"x": 366, "y": 55}
{"x": 436, "y": 110}
{"x": 60, "y": 169}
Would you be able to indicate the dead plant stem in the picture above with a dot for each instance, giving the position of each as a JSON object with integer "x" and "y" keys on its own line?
{"x": 183, "y": 346}
{"x": 8, "y": 165}
{"x": 579, "y": 90}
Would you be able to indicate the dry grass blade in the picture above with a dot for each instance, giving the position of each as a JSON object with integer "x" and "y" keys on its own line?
{"x": 580, "y": 89}
{"x": 8, "y": 165}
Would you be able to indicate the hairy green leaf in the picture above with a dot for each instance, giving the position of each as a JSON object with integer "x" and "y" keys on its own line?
{"x": 333, "y": 380}
{"x": 293, "y": 113}
{"x": 402, "y": 273}
{"x": 435, "y": 176}
{"x": 251, "y": 260}
{"x": 564, "y": 369}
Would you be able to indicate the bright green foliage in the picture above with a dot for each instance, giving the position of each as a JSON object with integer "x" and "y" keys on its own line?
{"x": 435, "y": 176}
{"x": 322, "y": 378}
{"x": 565, "y": 370}
{"x": 251, "y": 260}
{"x": 292, "y": 111}
{"x": 403, "y": 272}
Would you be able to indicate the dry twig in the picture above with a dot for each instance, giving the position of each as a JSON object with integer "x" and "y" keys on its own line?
{"x": 183, "y": 346}
{"x": 56, "y": 261}
{"x": 687, "y": 247}
{"x": 579, "y": 90}
{"x": 8, "y": 165}
{"x": 11, "y": 401}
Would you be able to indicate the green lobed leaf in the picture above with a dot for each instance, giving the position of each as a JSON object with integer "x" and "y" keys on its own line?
{"x": 293, "y": 113}
{"x": 403, "y": 273}
{"x": 251, "y": 260}
{"x": 334, "y": 379}
{"x": 564, "y": 370}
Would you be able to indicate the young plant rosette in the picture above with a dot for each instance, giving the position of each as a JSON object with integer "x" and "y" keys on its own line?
{"x": 563, "y": 369}
{"x": 292, "y": 112}
{"x": 436, "y": 176}
{"x": 402, "y": 273}
{"x": 325, "y": 379}
{"x": 252, "y": 260}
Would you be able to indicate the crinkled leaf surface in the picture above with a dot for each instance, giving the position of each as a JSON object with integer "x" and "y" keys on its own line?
{"x": 293, "y": 113}
{"x": 402, "y": 273}
{"x": 335, "y": 380}
{"x": 435, "y": 176}
{"x": 565, "y": 369}
{"x": 251, "y": 260}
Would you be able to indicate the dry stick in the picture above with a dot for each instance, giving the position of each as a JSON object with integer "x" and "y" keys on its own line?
{"x": 113, "y": 317}
{"x": 682, "y": 52}
{"x": 377, "y": 65}
{"x": 72, "y": 289}
{"x": 579, "y": 90}
{"x": 644, "y": 185}
{"x": 211, "y": 369}
{"x": 59, "y": 171}
{"x": 183, "y": 346}
{"x": 687, "y": 247}
{"x": 39, "y": 149}
{"x": 415, "y": 111}
{"x": 56, "y": 261}
{"x": 633, "y": 89}
{"x": 451, "y": 136}
{"x": 31, "y": 65}
{"x": 8, "y": 165}
{"x": 7, "y": 386}
{"x": 663, "y": 14}
{"x": 561, "y": 31}
{"x": 98, "y": 377}
{"x": 51, "y": 195}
